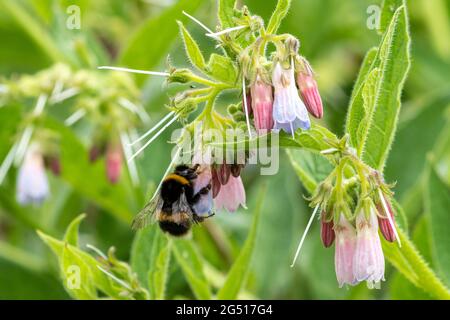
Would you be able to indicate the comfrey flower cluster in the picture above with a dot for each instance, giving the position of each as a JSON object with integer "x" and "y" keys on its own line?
{"x": 354, "y": 204}
{"x": 278, "y": 89}
{"x": 113, "y": 113}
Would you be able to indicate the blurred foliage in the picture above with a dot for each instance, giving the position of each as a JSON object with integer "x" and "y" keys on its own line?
{"x": 335, "y": 37}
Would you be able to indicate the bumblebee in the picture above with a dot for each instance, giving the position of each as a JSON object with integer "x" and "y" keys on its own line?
{"x": 177, "y": 205}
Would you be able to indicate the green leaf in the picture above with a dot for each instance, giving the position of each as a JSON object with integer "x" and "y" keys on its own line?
{"x": 159, "y": 268}
{"x": 394, "y": 62}
{"x": 437, "y": 201}
{"x": 387, "y": 12}
{"x": 278, "y": 15}
{"x": 226, "y": 13}
{"x": 142, "y": 253}
{"x": 149, "y": 44}
{"x": 314, "y": 139}
{"x": 190, "y": 262}
{"x": 222, "y": 68}
{"x": 239, "y": 271}
{"x": 71, "y": 235}
{"x": 356, "y": 111}
{"x": 192, "y": 49}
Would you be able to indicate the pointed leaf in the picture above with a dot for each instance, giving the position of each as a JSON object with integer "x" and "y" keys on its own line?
{"x": 394, "y": 63}
{"x": 223, "y": 69}
{"x": 278, "y": 15}
{"x": 192, "y": 49}
{"x": 190, "y": 262}
{"x": 226, "y": 13}
{"x": 71, "y": 235}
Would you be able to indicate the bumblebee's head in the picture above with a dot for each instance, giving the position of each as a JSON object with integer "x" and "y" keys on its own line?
{"x": 186, "y": 172}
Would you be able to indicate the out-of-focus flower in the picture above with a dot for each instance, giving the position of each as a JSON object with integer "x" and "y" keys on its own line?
{"x": 231, "y": 195}
{"x": 345, "y": 251}
{"x": 289, "y": 112}
{"x": 54, "y": 164}
{"x": 309, "y": 89}
{"x": 262, "y": 105}
{"x": 369, "y": 259}
{"x": 32, "y": 183}
{"x": 113, "y": 162}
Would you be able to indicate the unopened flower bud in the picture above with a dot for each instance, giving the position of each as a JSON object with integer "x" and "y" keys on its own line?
{"x": 113, "y": 163}
{"x": 54, "y": 164}
{"x": 94, "y": 153}
{"x": 327, "y": 231}
{"x": 383, "y": 221}
{"x": 262, "y": 104}
{"x": 309, "y": 90}
{"x": 224, "y": 173}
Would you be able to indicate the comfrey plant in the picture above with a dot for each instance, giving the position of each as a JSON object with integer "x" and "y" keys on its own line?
{"x": 274, "y": 91}
{"x": 278, "y": 90}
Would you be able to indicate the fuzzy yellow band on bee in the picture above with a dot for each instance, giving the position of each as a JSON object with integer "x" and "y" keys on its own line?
{"x": 177, "y": 178}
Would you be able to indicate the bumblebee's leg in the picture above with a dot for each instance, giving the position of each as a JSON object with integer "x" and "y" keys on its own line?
{"x": 201, "y": 192}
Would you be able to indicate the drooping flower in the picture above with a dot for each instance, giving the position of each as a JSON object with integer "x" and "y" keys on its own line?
{"x": 289, "y": 112}
{"x": 345, "y": 251}
{"x": 369, "y": 259}
{"x": 113, "y": 162}
{"x": 262, "y": 105}
{"x": 32, "y": 184}
{"x": 309, "y": 90}
{"x": 231, "y": 195}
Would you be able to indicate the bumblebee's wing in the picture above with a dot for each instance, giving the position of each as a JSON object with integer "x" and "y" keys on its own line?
{"x": 143, "y": 218}
{"x": 181, "y": 210}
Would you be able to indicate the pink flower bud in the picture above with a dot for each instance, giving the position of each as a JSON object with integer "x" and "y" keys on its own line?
{"x": 309, "y": 91}
{"x": 215, "y": 182}
{"x": 231, "y": 195}
{"x": 327, "y": 233}
{"x": 113, "y": 163}
{"x": 94, "y": 153}
{"x": 236, "y": 170}
{"x": 369, "y": 259}
{"x": 248, "y": 97}
{"x": 262, "y": 104}
{"x": 345, "y": 251}
{"x": 54, "y": 165}
{"x": 385, "y": 226}
{"x": 224, "y": 173}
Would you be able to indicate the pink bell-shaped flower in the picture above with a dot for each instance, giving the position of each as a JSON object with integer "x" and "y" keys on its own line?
{"x": 369, "y": 259}
{"x": 345, "y": 251}
{"x": 231, "y": 195}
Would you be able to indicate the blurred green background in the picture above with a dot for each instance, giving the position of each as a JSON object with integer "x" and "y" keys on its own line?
{"x": 334, "y": 36}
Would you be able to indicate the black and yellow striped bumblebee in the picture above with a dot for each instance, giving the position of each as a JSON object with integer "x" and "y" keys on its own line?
{"x": 178, "y": 205}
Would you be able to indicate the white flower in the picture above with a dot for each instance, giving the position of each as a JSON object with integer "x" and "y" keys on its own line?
{"x": 289, "y": 112}
{"x": 32, "y": 183}
{"x": 369, "y": 259}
